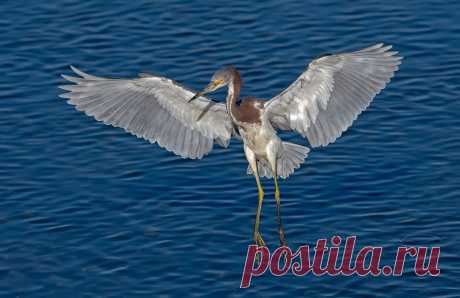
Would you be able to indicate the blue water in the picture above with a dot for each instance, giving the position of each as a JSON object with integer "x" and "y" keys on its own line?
{"x": 87, "y": 210}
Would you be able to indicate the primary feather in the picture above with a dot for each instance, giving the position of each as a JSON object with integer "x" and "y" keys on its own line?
{"x": 154, "y": 108}
{"x": 325, "y": 100}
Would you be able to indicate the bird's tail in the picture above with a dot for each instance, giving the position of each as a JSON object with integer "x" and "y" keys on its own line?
{"x": 290, "y": 159}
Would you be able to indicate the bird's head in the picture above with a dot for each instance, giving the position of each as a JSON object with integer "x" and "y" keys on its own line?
{"x": 221, "y": 78}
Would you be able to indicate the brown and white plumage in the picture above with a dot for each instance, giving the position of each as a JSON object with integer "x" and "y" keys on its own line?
{"x": 320, "y": 105}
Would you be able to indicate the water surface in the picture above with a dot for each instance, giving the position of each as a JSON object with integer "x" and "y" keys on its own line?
{"x": 87, "y": 210}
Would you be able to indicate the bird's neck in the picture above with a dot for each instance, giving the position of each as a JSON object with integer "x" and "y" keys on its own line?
{"x": 233, "y": 93}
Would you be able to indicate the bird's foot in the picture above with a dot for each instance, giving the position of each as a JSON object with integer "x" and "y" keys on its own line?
{"x": 283, "y": 241}
{"x": 259, "y": 242}
{"x": 258, "y": 239}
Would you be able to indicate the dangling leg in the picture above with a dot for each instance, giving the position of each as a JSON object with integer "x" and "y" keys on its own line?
{"x": 257, "y": 237}
{"x": 278, "y": 204}
{"x": 278, "y": 212}
{"x": 250, "y": 156}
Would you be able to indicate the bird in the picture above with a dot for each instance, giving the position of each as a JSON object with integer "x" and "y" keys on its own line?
{"x": 320, "y": 105}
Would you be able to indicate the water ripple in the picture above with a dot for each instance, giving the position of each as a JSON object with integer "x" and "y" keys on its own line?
{"x": 87, "y": 210}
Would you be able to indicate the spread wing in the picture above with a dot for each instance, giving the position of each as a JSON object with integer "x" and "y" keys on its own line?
{"x": 154, "y": 108}
{"x": 325, "y": 100}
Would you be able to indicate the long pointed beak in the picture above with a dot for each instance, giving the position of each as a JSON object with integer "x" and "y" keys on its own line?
{"x": 209, "y": 88}
{"x": 198, "y": 94}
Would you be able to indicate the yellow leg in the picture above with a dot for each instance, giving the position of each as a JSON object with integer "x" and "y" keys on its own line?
{"x": 257, "y": 237}
{"x": 278, "y": 210}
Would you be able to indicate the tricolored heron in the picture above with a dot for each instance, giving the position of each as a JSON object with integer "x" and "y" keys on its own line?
{"x": 320, "y": 105}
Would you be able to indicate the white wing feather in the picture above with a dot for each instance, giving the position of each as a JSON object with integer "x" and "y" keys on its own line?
{"x": 325, "y": 100}
{"x": 154, "y": 108}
